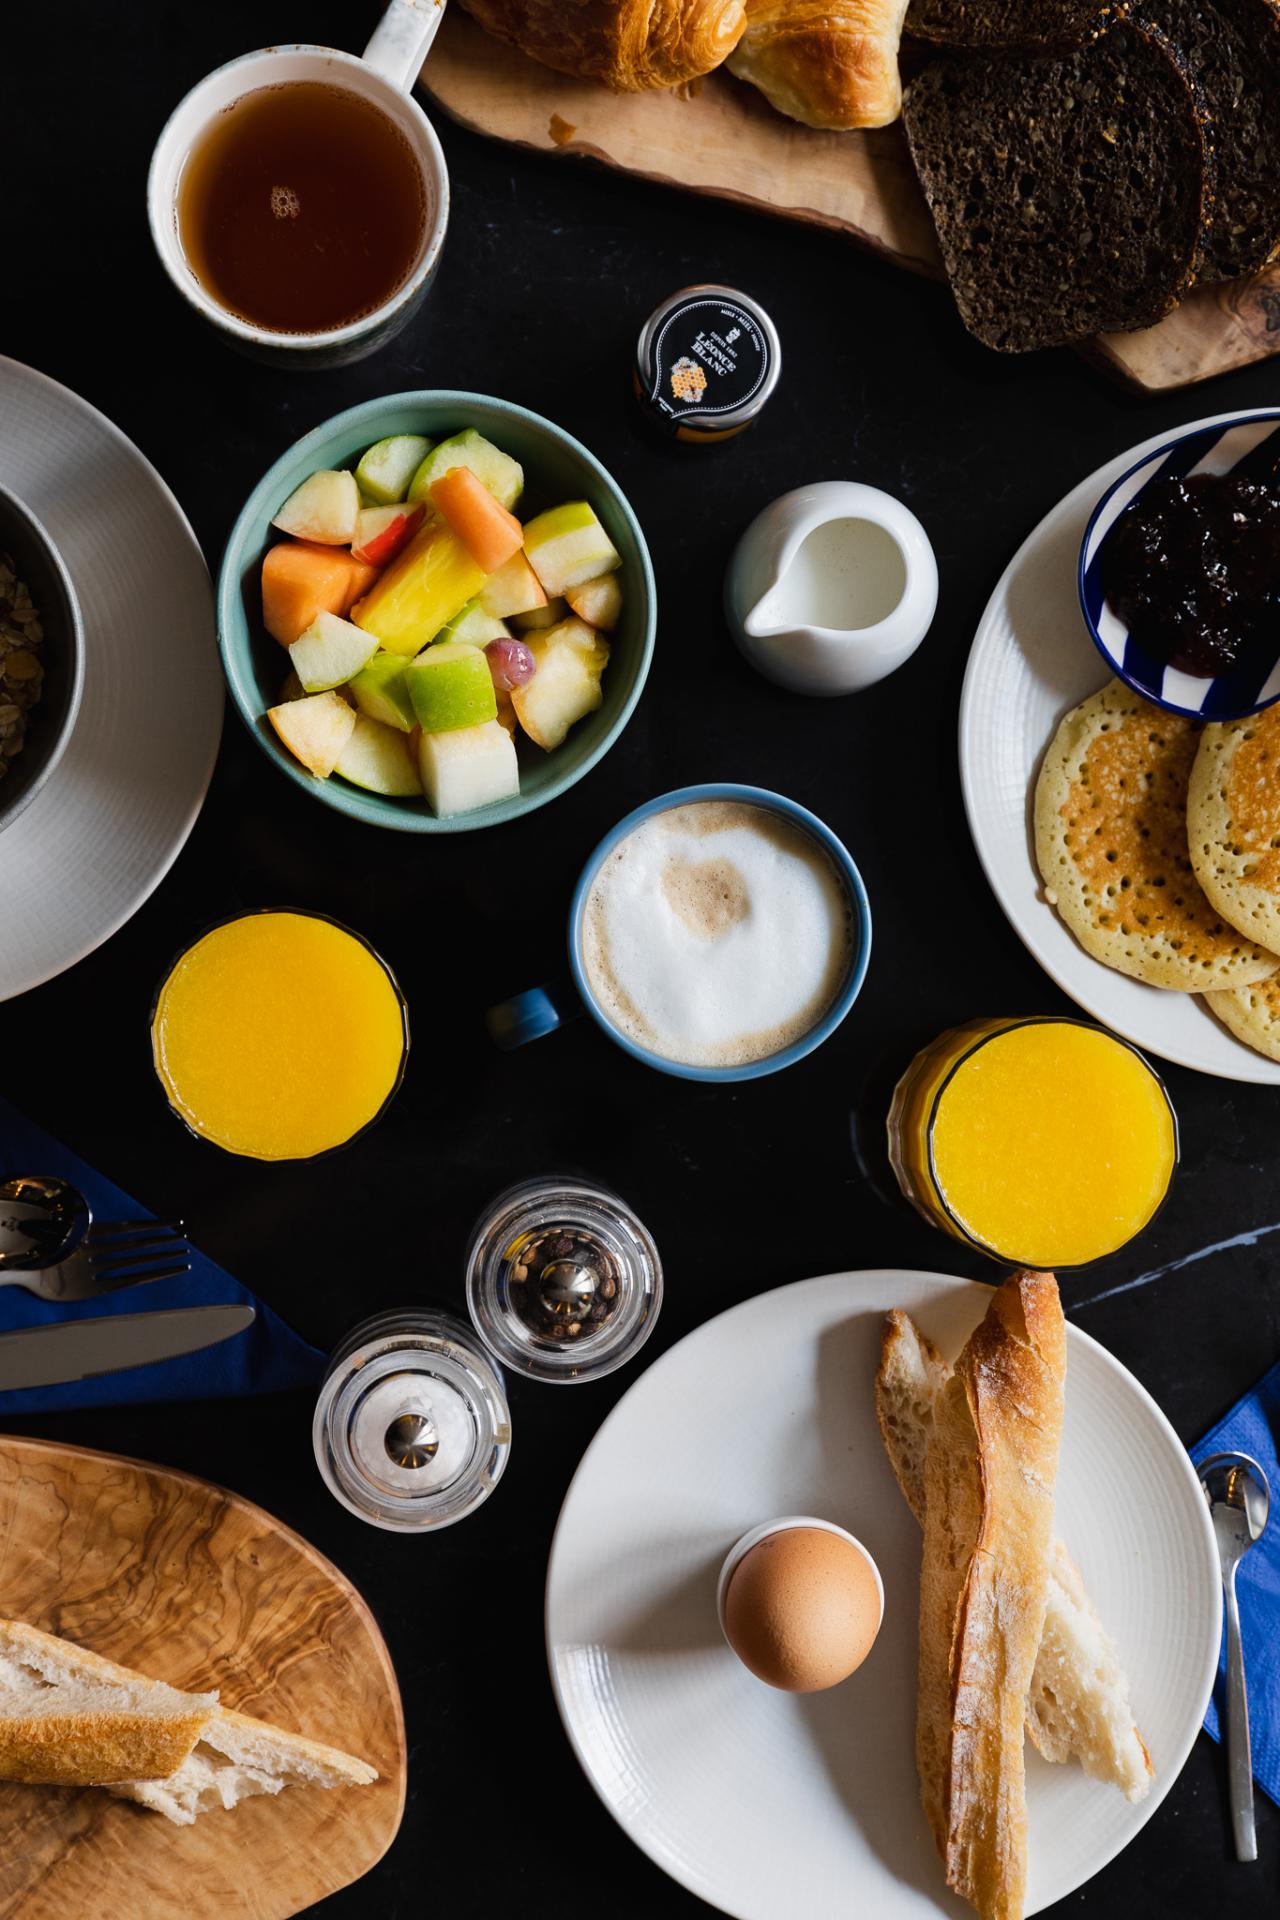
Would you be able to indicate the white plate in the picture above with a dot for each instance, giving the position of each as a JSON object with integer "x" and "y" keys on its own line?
{"x": 1032, "y": 659}
{"x": 114, "y": 814}
{"x": 771, "y": 1805}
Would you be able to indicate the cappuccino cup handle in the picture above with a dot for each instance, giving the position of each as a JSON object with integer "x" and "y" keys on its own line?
{"x": 530, "y": 1015}
{"x": 401, "y": 40}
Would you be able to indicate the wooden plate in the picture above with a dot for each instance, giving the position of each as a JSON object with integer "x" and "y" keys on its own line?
{"x": 721, "y": 137}
{"x": 196, "y": 1586}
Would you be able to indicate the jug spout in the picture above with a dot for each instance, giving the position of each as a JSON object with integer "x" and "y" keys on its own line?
{"x": 769, "y": 616}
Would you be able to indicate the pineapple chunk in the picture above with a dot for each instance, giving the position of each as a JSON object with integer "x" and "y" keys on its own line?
{"x": 566, "y": 684}
{"x": 430, "y": 582}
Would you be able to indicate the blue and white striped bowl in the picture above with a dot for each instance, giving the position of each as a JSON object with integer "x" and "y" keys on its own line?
{"x": 1249, "y": 446}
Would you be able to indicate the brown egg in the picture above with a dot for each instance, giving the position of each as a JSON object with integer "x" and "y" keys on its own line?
{"x": 802, "y": 1609}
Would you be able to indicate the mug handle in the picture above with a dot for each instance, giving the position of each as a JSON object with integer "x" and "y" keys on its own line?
{"x": 401, "y": 40}
{"x": 528, "y": 1016}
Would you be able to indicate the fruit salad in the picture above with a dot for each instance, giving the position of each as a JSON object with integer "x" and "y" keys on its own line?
{"x": 428, "y": 627}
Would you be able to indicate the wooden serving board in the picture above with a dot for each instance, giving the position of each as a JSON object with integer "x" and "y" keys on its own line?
{"x": 721, "y": 137}
{"x": 193, "y": 1585}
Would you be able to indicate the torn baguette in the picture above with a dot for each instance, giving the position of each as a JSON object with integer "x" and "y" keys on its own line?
{"x": 70, "y": 1718}
{"x": 1078, "y": 1706}
{"x": 237, "y": 1758}
{"x": 989, "y": 1472}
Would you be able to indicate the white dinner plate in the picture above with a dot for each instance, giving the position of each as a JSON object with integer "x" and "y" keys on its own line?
{"x": 1032, "y": 660}
{"x": 114, "y": 814}
{"x": 773, "y": 1806}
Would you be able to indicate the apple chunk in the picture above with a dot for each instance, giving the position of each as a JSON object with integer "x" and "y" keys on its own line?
{"x": 503, "y": 476}
{"x": 385, "y": 471}
{"x": 566, "y": 683}
{"x": 382, "y": 531}
{"x": 380, "y": 692}
{"x": 451, "y": 687}
{"x": 330, "y": 652}
{"x": 514, "y": 588}
{"x": 378, "y": 759}
{"x": 322, "y": 509}
{"x": 315, "y": 730}
{"x": 567, "y": 546}
{"x": 598, "y": 602}
{"x": 471, "y": 767}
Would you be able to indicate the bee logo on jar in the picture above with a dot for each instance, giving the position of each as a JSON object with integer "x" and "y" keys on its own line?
{"x": 706, "y": 363}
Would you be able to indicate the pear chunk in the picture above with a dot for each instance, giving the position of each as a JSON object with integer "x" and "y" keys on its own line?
{"x": 566, "y": 682}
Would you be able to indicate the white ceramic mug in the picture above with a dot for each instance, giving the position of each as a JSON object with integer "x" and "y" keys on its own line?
{"x": 384, "y": 75}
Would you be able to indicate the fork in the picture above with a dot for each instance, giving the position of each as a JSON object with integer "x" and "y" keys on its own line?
{"x": 115, "y": 1254}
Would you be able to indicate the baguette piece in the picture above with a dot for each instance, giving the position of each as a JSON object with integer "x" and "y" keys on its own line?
{"x": 236, "y": 1758}
{"x": 1078, "y": 1706}
{"x": 989, "y": 1472}
{"x": 69, "y": 1718}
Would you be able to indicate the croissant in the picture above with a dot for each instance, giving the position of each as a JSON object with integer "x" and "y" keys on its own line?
{"x": 629, "y": 44}
{"x": 829, "y": 63}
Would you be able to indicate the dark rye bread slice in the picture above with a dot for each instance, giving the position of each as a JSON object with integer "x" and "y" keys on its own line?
{"x": 1010, "y": 23}
{"x": 1071, "y": 194}
{"x": 1233, "y": 50}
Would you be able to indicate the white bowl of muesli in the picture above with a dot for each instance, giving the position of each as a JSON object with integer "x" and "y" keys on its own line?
{"x": 41, "y": 657}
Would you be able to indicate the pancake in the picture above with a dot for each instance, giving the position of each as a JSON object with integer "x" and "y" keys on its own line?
{"x": 1252, "y": 1014}
{"x": 1233, "y": 823}
{"x": 1111, "y": 842}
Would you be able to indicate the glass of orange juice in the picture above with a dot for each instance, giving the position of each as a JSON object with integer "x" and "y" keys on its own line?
{"x": 279, "y": 1034}
{"x": 1042, "y": 1142}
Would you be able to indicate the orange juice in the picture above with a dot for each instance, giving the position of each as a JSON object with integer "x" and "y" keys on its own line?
{"x": 279, "y": 1035}
{"x": 1045, "y": 1143}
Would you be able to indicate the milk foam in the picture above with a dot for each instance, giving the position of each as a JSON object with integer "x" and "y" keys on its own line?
{"x": 716, "y": 934}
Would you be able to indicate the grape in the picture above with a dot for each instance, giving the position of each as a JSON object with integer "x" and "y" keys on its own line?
{"x": 511, "y": 663}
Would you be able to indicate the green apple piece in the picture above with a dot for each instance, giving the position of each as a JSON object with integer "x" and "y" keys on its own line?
{"x": 451, "y": 687}
{"x": 494, "y": 469}
{"x": 378, "y": 759}
{"x": 315, "y": 729}
{"x": 381, "y": 694}
{"x": 514, "y": 588}
{"x": 470, "y": 767}
{"x": 598, "y": 601}
{"x": 566, "y": 683}
{"x": 567, "y": 545}
{"x": 539, "y": 618}
{"x": 385, "y": 471}
{"x": 475, "y": 626}
{"x": 323, "y": 509}
{"x": 329, "y": 652}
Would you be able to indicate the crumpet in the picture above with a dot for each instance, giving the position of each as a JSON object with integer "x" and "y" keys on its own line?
{"x": 1252, "y": 1014}
{"x": 1111, "y": 843}
{"x": 1233, "y": 823}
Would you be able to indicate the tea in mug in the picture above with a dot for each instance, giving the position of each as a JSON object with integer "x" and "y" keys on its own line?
{"x": 301, "y": 207}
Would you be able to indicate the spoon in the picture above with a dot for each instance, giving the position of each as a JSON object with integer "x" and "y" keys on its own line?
{"x": 42, "y": 1220}
{"x": 1239, "y": 1502}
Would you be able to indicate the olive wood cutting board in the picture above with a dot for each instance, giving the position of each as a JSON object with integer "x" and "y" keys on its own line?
{"x": 721, "y": 137}
{"x": 195, "y": 1586}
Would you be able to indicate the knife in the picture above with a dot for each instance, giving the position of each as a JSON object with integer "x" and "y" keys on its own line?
{"x": 112, "y": 1343}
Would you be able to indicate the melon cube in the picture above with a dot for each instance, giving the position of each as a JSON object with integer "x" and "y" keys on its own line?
{"x": 471, "y": 767}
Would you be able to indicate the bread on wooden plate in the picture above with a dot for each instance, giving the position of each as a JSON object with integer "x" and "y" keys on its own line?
{"x": 631, "y": 45}
{"x": 236, "y": 1758}
{"x": 70, "y": 1718}
{"x": 989, "y": 1471}
{"x": 828, "y": 63}
{"x": 1078, "y": 1703}
{"x": 1071, "y": 194}
{"x": 1010, "y": 23}
{"x": 1111, "y": 812}
{"x": 1232, "y": 48}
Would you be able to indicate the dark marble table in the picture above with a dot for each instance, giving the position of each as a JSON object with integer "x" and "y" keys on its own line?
{"x": 550, "y": 267}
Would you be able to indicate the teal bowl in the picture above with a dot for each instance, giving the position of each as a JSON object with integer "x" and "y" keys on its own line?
{"x": 557, "y": 467}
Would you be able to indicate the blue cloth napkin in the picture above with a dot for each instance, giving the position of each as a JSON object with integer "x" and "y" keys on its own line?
{"x": 267, "y": 1357}
{"x": 1253, "y": 1427}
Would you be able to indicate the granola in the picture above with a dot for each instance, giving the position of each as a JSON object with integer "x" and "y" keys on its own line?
{"x": 21, "y": 668}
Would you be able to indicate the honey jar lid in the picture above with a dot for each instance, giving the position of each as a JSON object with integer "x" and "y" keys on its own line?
{"x": 707, "y": 361}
